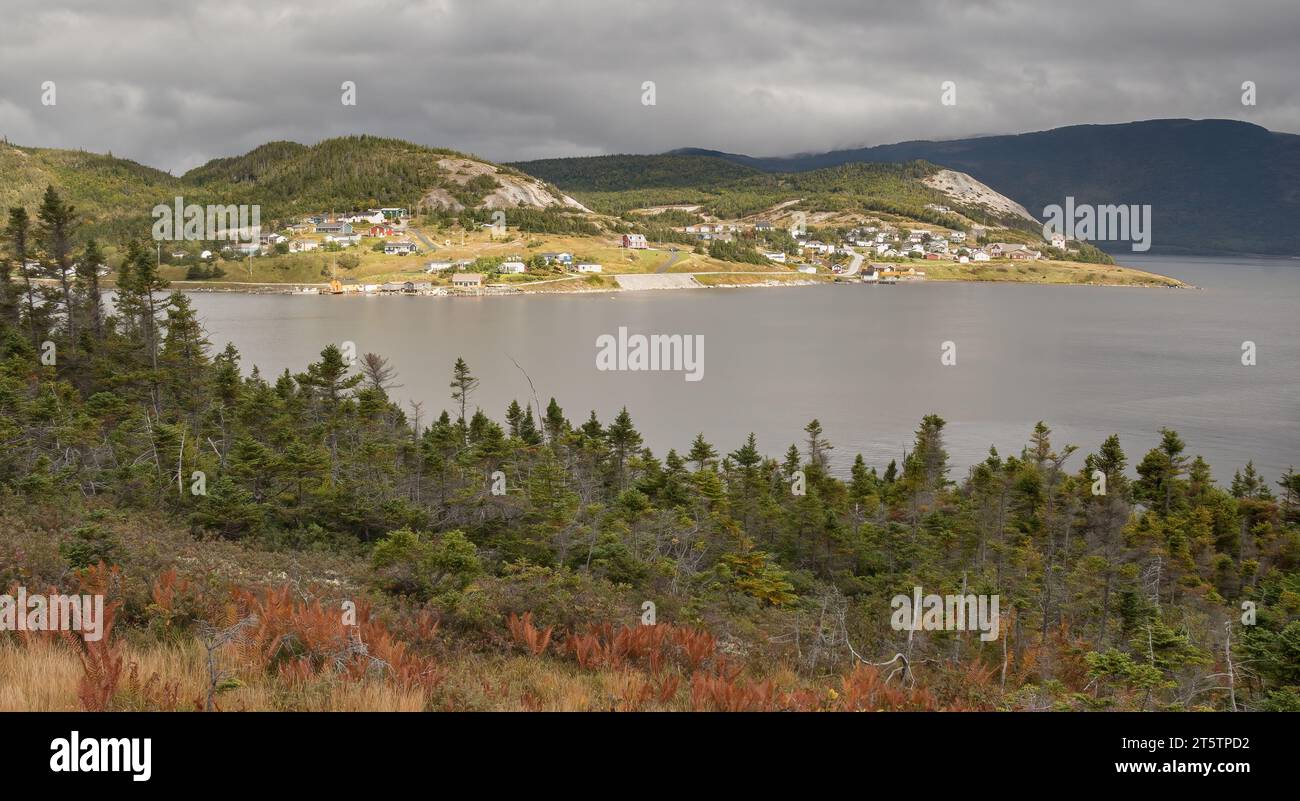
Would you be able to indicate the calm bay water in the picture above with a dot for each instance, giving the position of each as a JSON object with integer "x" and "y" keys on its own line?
{"x": 1089, "y": 361}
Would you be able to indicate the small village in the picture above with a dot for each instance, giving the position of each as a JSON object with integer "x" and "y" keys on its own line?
{"x": 871, "y": 251}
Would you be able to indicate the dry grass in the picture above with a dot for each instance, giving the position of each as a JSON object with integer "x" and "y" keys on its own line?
{"x": 43, "y": 676}
{"x": 273, "y": 649}
{"x": 40, "y": 677}
{"x": 1043, "y": 272}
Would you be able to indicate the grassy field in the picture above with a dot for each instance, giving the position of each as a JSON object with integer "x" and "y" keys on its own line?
{"x": 1043, "y": 272}
{"x": 751, "y": 279}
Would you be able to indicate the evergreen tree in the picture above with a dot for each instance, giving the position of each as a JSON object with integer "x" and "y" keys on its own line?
{"x": 555, "y": 424}
{"x": 55, "y": 235}
{"x": 792, "y": 462}
{"x": 91, "y": 297}
{"x": 592, "y": 429}
{"x": 1160, "y": 472}
{"x": 18, "y": 233}
{"x": 701, "y": 452}
{"x": 514, "y": 416}
{"x": 817, "y": 445}
{"x": 528, "y": 430}
{"x": 623, "y": 440}
{"x": 463, "y": 384}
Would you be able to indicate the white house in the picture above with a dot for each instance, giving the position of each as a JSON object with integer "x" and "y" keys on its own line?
{"x": 513, "y": 267}
{"x": 589, "y": 268}
{"x": 807, "y": 268}
{"x": 776, "y": 256}
{"x": 562, "y": 258}
{"x": 399, "y": 248}
{"x": 437, "y": 266}
{"x": 979, "y": 255}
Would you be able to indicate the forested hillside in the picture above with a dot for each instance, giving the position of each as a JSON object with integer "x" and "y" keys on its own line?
{"x": 617, "y": 184}
{"x": 508, "y": 559}
{"x": 113, "y": 195}
{"x": 356, "y": 171}
{"x": 285, "y": 179}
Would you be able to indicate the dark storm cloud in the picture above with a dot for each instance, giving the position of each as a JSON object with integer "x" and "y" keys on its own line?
{"x": 173, "y": 84}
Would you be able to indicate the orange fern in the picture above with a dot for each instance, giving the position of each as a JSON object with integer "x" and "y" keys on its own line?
{"x": 526, "y": 634}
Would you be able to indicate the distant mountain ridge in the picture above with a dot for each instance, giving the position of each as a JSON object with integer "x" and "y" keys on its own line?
{"x": 1214, "y": 186}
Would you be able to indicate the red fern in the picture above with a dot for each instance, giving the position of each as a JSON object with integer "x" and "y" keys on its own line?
{"x": 101, "y": 663}
{"x": 526, "y": 634}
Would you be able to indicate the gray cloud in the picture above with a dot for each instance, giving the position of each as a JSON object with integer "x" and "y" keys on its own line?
{"x": 173, "y": 85}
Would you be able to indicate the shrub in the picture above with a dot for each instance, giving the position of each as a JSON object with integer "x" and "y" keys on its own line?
{"x": 91, "y": 545}
{"x": 406, "y": 562}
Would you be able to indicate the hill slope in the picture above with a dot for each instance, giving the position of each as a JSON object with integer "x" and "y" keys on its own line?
{"x": 101, "y": 187}
{"x": 1213, "y": 185}
{"x": 114, "y": 196}
{"x": 372, "y": 171}
{"x": 726, "y": 189}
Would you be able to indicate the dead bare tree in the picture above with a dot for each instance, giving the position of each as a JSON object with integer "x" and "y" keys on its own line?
{"x": 379, "y": 375}
{"x": 214, "y": 639}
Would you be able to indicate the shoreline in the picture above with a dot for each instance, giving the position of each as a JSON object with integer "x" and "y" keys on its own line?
{"x": 317, "y": 289}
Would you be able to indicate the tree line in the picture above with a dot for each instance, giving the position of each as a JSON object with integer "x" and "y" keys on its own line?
{"x": 1122, "y": 582}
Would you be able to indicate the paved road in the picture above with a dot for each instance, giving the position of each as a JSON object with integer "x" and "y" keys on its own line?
{"x": 671, "y": 260}
{"x": 424, "y": 240}
{"x": 855, "y": 264}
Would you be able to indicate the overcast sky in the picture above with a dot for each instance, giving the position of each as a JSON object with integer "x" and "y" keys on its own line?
{"x": 174, "y": 84}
